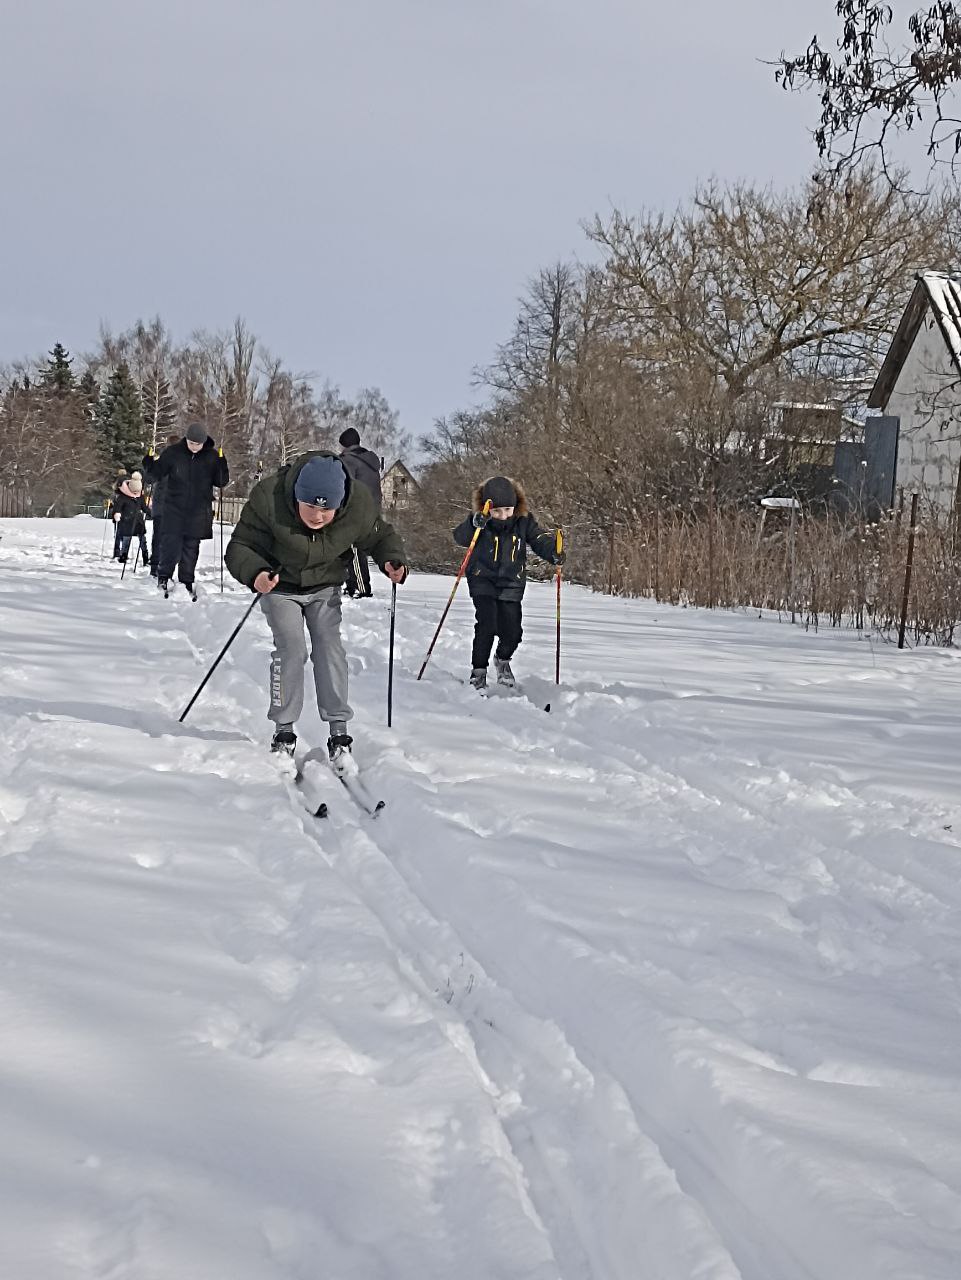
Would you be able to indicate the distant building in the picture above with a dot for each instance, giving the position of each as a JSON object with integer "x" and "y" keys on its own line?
{"x": 398, "y": 487}
{"x": 806, "y": 434}
{"x": 920, "y": 385}
{"x": 800, "y": 445}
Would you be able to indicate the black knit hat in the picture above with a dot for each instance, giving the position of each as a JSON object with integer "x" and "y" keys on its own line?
{"x": 349, "y": 438}
{"x": 321, "y": 482}
{"x": 499, "y": 492}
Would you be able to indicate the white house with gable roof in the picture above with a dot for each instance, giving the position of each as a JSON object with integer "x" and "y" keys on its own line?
{"x": 920, "y": 383}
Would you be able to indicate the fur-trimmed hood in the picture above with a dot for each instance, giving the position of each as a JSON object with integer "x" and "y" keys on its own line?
{"x": 520, "y": 506}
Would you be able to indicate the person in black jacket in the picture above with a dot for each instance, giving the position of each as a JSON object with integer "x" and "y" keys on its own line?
{"x": 130, "y": 516}
{"x": 157, "y": 489}
{"x": 363, "y": 465}
{"x": 189, "y": 470}
{"x": 497, "y": 572}
{"x": 120, "y": 480}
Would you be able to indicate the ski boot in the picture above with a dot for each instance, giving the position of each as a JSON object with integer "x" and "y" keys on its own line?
{"x": 164, "y": 585}
{"x": 192, "y": 590}
{"x": 478, "y": 677}
{"x": 284, "y": 740}
{"x": 504, "y": 674}
{"x": 338, "y": 749}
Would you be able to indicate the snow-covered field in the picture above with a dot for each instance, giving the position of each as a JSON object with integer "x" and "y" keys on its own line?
{"x": 664, "y": 985}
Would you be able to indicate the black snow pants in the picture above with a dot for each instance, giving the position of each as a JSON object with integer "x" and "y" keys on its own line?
{"x": 495, "y": 617}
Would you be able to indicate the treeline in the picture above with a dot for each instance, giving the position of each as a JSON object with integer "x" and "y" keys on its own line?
{"x": 650, "y": 380}
{"x": 68, "y": 425}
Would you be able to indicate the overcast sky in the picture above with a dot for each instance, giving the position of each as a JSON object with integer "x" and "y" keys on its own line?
{"x": 368, "y": 182}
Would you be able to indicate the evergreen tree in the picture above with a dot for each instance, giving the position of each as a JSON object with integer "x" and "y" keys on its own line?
{"x": 120, "y": 420}
{"x": 57, "y": 375}
{"x": 89, "y": 390}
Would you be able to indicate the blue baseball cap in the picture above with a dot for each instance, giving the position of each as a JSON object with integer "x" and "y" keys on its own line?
{"x": 321, "y": 482}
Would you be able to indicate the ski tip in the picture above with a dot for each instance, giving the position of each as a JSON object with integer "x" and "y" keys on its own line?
{"x": 321, "y": 811}
{"x": 548, "y": 707}
{"x": 381, "y": 804}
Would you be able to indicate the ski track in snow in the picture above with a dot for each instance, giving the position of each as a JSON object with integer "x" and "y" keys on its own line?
{"x": 662, "y": 984}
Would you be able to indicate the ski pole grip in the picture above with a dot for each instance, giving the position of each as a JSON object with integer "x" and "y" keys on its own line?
{"x": 559, "y": 541}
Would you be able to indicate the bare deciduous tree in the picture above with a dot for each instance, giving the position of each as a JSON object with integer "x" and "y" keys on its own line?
{"x": 873, "y": 89}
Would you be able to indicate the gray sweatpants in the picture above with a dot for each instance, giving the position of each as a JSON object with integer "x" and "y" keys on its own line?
{"x": 286, "y": 616}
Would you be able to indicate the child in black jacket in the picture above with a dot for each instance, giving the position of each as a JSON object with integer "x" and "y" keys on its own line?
{"x": 130, "y": 516}
{"x": 496, "y": 573}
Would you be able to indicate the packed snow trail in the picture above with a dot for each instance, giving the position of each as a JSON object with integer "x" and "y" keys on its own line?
{"x": 664, "y": 984}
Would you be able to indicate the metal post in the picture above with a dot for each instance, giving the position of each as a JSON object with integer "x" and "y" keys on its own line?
{"x": 791, "y": 576}
{"x": 559, "y": 547}
{"x": 710, "y": 547}
{"x": 907, "y": 571}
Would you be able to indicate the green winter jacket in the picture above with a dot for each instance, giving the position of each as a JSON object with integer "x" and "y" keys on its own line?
{"x": 270, "y": 535}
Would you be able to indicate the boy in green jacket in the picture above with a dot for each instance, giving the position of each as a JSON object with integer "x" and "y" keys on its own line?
{"x": 290, "y": 544}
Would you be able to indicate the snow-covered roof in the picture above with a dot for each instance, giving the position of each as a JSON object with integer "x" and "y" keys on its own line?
{"x": 808, "y": 406}
{"x": 401, "y": 466}
{"x": 942, "y": 294}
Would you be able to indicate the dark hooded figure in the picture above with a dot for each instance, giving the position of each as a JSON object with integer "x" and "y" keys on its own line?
{"x": 362, "y": 465}
{"x": 157, "y": 490}
{"x": 189, "y": 471}
{"x": 497, "y": 572}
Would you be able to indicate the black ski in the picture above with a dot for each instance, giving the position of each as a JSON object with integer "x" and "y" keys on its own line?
{"x": 358, "y": 791}
{"x": 352, "y": 782}
{"x": 506, "y": 691}
{"x": 300, "y": 781}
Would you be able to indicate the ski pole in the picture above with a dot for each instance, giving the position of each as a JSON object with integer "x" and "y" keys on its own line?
{"x": 126, "y": 553}
{"x": 233, "y": 636}
{"x": 220, "y": 517}
{"x": 107, "y": 504}
{"x": 390, "y": 656}
{"x": 460, "y": 574}
{"x": 559, "y": 543}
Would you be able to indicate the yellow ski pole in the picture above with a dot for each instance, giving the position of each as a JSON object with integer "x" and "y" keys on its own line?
{"x": 460, "y": 574}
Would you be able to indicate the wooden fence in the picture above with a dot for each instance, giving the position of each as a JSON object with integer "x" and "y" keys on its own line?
{"x": 14, "y": 502}
{"x": 17, "y": 503}
{"x": 231, "y": 509}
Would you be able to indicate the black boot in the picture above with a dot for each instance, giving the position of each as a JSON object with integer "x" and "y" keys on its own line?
{"x": 338, "y": 748}
{"x": 284, "y": 740}
{"x": 504, "y": 674}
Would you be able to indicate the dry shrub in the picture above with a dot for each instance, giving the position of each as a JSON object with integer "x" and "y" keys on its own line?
{"x": 845, "y": 572}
